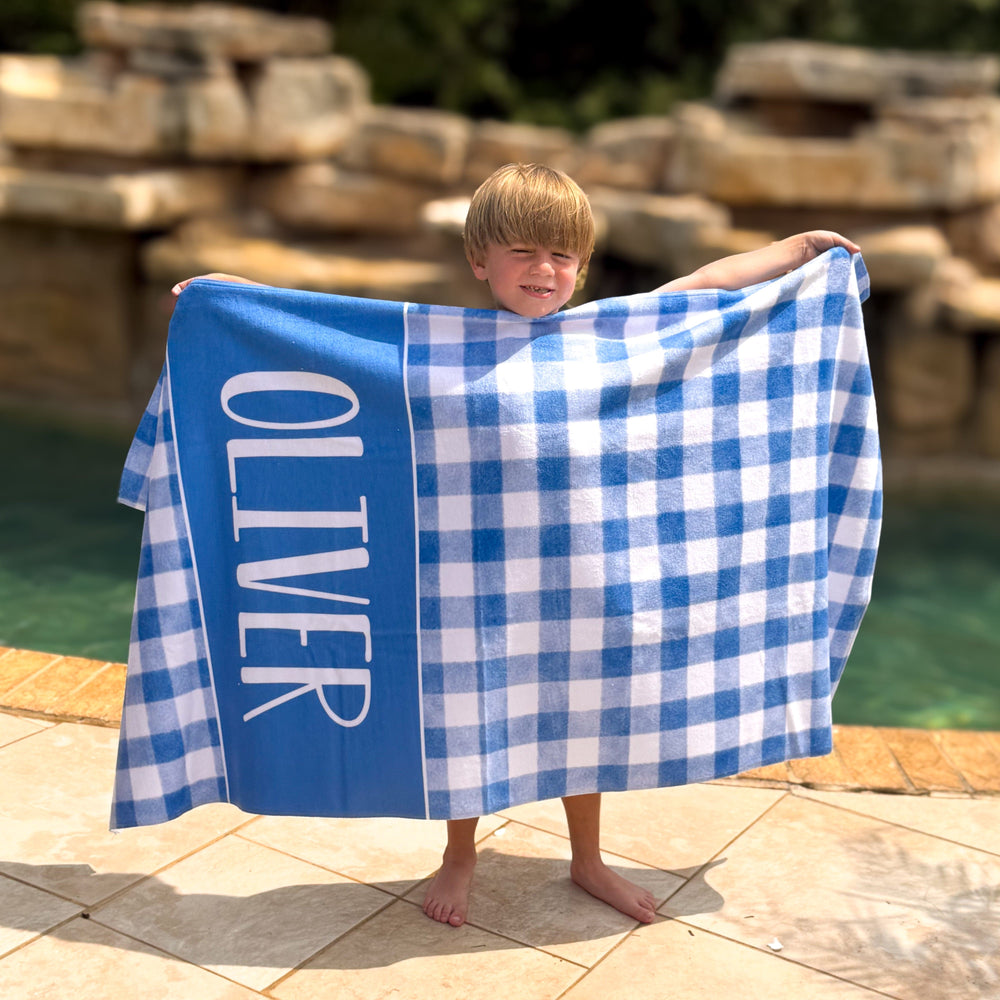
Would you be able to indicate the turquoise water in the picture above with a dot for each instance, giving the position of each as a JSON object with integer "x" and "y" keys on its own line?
{"x": 928, "y": 654}
{"x": 68, "y": 552}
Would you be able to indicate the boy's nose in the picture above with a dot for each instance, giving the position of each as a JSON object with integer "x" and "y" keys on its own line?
{"x": 543, "y": 266}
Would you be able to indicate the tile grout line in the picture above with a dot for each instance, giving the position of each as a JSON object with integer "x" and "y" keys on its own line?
{"x": 507, "y": 937}
{"x": 340, "y": 937}
{"x": 171, "y": 955}
{"x": 725, "y": 847}
{"x": 943, "y": 750}
{"x": 618, "y": 944}
{"x": 785, "y": 958}
{"x": 325, "y": 868}
{"x": 28, "y": 736}
{"x": 897, "y": 825}
{"x": 921, "y": 789}
{"x": 156, "y": 872}
{"x": 97, "y": 673}
{"x": 39, "y": 936}
{"x": 565, "y": 836}
{"x": 56, "y": 657}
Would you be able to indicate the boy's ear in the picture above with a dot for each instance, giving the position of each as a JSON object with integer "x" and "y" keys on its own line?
{"x": 478, "y": 269}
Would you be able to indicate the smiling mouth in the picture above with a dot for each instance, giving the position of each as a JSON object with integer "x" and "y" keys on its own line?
{"x": 537, "y": 289}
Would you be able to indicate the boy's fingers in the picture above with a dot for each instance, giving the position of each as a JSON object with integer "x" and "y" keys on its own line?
{"x": 214, "y": 276}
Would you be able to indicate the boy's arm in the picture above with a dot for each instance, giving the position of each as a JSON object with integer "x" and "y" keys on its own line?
{"x": 744, "y": 269}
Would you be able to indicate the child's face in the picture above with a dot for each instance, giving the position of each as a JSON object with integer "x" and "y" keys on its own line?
{"x": 529, "y": 280}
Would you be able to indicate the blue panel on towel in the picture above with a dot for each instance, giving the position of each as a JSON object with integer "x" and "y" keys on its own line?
{"x": 304, "y": 544}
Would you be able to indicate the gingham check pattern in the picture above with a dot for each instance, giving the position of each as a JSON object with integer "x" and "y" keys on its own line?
{"x": 647, "y": 530}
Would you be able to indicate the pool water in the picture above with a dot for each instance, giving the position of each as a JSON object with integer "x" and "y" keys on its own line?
{"x": 928, "y": 654}
{"x": 68, "y": 552}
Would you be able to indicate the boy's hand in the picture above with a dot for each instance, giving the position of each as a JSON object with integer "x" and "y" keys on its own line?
{"x": 804, "y": 246}
{"x": 215, "y": 276}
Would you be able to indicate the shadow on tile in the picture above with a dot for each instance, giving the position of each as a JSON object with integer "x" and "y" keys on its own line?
{"x": 703, "y": 898}
{"x": 164, "y": 907}
{"x": 942, "y": 934}
{"x": 887, "y": 908}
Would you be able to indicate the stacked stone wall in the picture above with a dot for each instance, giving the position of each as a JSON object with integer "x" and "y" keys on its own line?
{"x": 214, "y": 138}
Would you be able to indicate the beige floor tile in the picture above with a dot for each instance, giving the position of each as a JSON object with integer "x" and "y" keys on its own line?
{"x": 26, "y": 912}
{"x": 393, "y": 854}
{"x": 974, "y": 822}
{"x": 400, "y": 953}
{"x": 14, "y": 728}
{"x": 670, "y": 961}
{"x": 88, "y": 962}
{"x": 677, "y": 829}
{"x": 55, "y": 798}
{"x": 242, "y": 910}
{"x": 877, "y": 905}
{"x": 522, "y": 890}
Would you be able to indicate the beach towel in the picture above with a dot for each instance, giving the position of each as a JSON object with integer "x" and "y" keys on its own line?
{"x": 423, "y": 561}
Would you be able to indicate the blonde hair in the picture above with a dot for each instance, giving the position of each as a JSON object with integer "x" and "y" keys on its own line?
{"x": 530, "y": 203}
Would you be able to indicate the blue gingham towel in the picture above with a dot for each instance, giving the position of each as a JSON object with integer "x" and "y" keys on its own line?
{"x": 638, "y": 536}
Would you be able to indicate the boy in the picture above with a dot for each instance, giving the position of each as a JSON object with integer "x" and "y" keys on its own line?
{"x": 530, "y": 234}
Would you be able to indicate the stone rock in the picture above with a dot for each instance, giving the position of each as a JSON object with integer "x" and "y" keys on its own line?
{"x": 296, "y": 109}
{"x": 884, "y": 168}
{"x": 216, "y": 117}
{"x": 419, "y": 144}
{"x": 840, "y": 73}
{"x": 446, "y": 215}
{"x": 988, "y": 405}
{"x": 494, "y": 144}
{"x": 237, "y": 33}
{"x": 712, "y": 243}
{"x": 929, "y": 372}
{"x": 629, "y": 153}
{"x": 68, "y": 315}
{"x": 153, "y": 199}
{"x": 971, "y": 306}
{"x": 51, "y": 103}
{"x": 655, "y": 230}
{"x": 306, "y": 108}
{"x": 201, "y": 248}
{"x": 975, "y": 233}
{"x": 161, "y": 63}
{"x": 962, "y": 117}
{"x": 902, "y": 257}
{"x": 321, "y": 196}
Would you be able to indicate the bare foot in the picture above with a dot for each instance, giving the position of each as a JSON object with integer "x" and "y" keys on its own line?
{"x": 447, "y": 897}
{"x": 600, "y": 881}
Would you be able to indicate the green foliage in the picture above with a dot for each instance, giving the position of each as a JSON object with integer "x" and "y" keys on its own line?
{"x": 569, "y": 62}
{"x": 37, "y": 26}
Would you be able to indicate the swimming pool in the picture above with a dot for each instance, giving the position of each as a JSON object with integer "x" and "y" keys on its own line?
{"x": 928, "y": 654}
